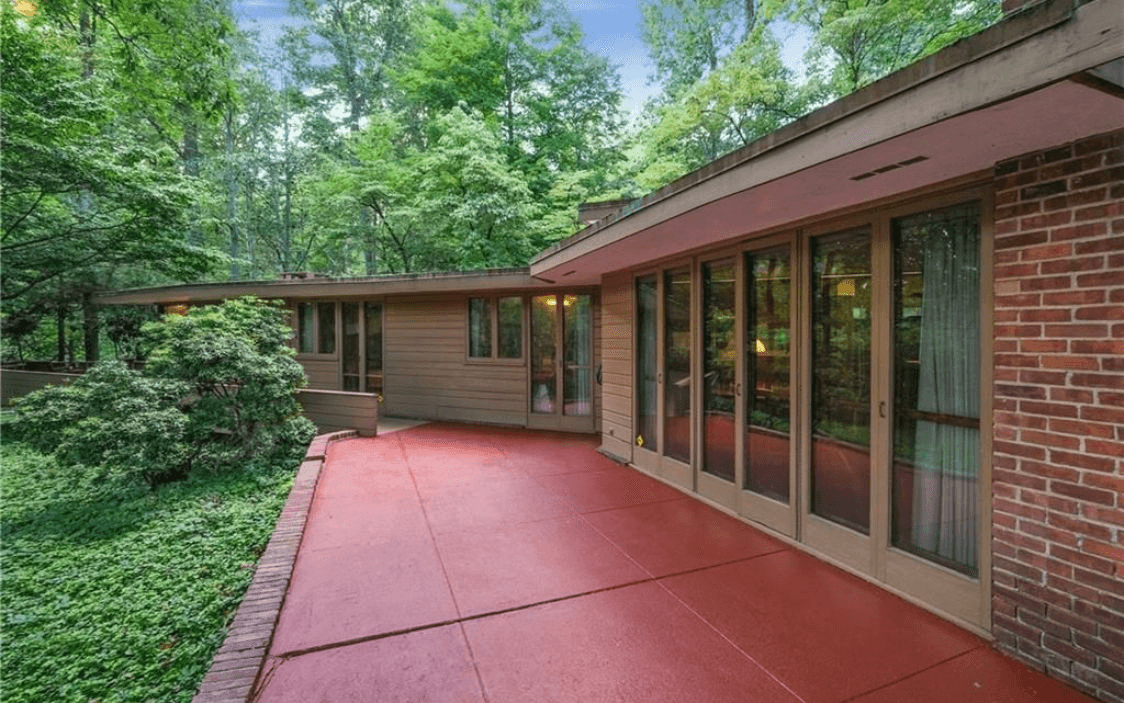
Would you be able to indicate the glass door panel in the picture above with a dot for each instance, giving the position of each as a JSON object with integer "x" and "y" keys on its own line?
{"x": 544, "y": 356}
{"x": 767, "y": 362}
{"x": 372, "y": 313}
{"x": 719, "y": 362}
{"x": 841, "y": 379}
{"x": 577, "y": 350}
{"x": 350, "y": 314}
{"x": 677, "y": 365}
{"x": 646, "y": 361}
{"x": 937, "y": 386}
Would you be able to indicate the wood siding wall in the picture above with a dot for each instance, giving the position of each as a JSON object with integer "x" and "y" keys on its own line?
{"x": 332, "y": 411}
{"x": 616, "y": 357}
{"x": 323, "y": 373}
{"x": 14, "y": 384}
{"x": 426, "y": 372}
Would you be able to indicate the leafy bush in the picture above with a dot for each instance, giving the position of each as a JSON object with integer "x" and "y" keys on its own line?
{"x": 110, "y": 417}
{"x": 219, "y": 386}
{"x": 241, "y": 370}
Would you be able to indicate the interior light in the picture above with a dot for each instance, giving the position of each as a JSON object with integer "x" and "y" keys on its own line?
{"x": 760, "y": 347}
{"x": 846, "y": 287}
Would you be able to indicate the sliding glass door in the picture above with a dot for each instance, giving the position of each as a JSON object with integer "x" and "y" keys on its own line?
{"x": 841, "y": 379}
{"x": 937, "y": 386}
{"x": 561, "y": 383}
{"x": 827, "y": 384}
{"x": 677, "y": 365}
{"x": 719, "y": 366}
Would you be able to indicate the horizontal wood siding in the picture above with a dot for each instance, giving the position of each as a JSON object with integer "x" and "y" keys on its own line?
{"x": 332, "y": 411}
{"x": 14, "y": 384}
{"x": 323, "y": 374}
{"x": 616, "y": 360}
{"x": 426, "y": 373}
{"x": 597, "y": 360}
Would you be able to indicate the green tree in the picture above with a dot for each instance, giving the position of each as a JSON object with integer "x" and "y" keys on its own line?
{"x": 749, "y": 94}
{"x": 219, "y": 387}
{"x": 687, "y": 38}
{"x": 79, "y": 193}
{"x": 855, "y": 42}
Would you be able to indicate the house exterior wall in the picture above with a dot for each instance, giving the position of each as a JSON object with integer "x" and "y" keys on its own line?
{"x": 1058, "y": 477}
{"x": 616, "y": 351}
{"x": 426, "y": 371}
{"x": 15, "y": 383}
{"x": 333, "y": 411}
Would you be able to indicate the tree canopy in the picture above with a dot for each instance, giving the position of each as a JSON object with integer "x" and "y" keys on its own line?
{"x": 150, "y": 144}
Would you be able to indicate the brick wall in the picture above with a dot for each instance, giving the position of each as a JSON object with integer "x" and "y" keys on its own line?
{"x": 1058, "y": 472}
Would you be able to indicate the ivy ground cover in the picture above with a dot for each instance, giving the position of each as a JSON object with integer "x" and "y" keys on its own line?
{"x": 115, "y": 592}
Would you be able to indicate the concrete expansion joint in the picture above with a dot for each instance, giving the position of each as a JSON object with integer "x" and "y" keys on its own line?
{"x": 293, "y": 654}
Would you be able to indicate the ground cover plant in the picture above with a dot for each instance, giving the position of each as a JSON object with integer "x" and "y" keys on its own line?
{"x": 135, "y": 505}
{"x": 113, "y": 591}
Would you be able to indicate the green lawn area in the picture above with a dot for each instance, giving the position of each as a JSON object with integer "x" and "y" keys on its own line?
{"x": 114, "y": 592}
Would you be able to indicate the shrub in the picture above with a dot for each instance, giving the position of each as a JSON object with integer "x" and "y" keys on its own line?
{"x": 242, "y": 374}
{"x": 219, "y": 386}
{"x": 110, "y": 418}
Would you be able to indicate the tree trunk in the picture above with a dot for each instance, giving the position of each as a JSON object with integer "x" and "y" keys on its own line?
{"x": 90, "y": 336}
{"x": 232, "y": 197}
{"x": 191, "y": 158}
{"x": 60, "y": 322}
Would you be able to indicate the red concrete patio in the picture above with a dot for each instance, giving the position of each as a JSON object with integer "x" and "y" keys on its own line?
{"x": 455, "y": 563}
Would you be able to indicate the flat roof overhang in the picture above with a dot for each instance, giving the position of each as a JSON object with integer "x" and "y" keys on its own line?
{"x": 492, "y": 281}
{"x": 1015, "y": 88}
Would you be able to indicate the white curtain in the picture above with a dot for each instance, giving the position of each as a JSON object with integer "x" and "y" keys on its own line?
{"x": 947, "y": 455}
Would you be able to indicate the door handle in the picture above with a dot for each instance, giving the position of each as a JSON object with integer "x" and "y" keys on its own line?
{"x": 882, "y": 409}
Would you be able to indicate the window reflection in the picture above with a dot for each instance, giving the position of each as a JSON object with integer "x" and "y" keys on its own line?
{"x": 719, "y": 280}
{"x": 767, "y": 360}
{"x": 677, "y": 365}
{"x": 841, "y": 339}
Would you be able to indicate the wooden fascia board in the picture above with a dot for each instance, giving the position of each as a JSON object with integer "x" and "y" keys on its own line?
{"x": 324, "y": 289}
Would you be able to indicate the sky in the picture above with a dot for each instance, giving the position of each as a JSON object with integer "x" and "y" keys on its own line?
{"x": 612, "y": 29}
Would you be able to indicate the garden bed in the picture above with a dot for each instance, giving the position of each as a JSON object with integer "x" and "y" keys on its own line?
{"x": 114, "y": 592}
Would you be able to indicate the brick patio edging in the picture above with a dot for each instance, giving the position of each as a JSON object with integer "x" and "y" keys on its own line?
{"x": 235, "y": 667}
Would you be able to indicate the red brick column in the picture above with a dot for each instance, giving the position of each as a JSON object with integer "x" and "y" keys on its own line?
{"x": 1057, "y": 481}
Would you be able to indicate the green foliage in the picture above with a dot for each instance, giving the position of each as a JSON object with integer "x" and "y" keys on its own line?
{"x": 78, "y": 191}
{"x": 724, "y": 84}
{"x": 119, "y": 594}
{"x": 749, "y": 94}
{"x": 110, "y": 418}
{"x": 687, "y": 38}
{"x": 855, "y": 42}
{"x": 219, "y": 387}
{"x": 237, "y": 363}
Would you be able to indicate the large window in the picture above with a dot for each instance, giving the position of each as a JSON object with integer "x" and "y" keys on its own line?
{"x": 647, "y": 366}
{"x": 719, "y": 366}
{"x": 495, "y": 328}
{"x": 350, "y": 314}
{"x": 372, "y": 313}
{"x": 841, "y": 378}
{"x": 677, "y": 365}
{"x": 316, "y": 328}
{"x": 768, "y": 357}
{"x": 937, "y": 385}
{"x": 479, "y": 328}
